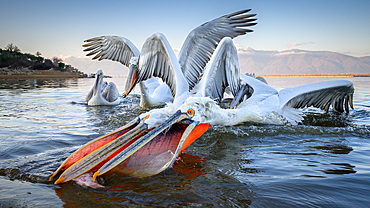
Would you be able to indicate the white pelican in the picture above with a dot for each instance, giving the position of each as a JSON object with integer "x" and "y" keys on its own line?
{"x": 193, "y": 57}
{"x": 103, "y": 93}
{"x": 150, "y": 143}
{"x": 154, "y": 93}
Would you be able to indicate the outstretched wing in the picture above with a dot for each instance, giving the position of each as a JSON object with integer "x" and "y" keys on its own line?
{"x": 111, "y": 47}
{"x": 220, "y": 72}
{"x": 158, "y": 59}
{"x": 202, "y": 41}
{"x": 338, "y": 94}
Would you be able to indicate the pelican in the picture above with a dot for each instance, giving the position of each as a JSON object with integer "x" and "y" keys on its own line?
{"x": 138, "y": 148}
{"x": 150, "y": 143}
{"x": 103, "y": 93}
{"x": 153, "y": 93}
{"x": 193, "y": 57}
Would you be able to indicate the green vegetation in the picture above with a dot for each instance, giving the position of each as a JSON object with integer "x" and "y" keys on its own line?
{"x": 16, "y": 59}
{"x": 13, "y": 61}
{"x": 12, "y": 57}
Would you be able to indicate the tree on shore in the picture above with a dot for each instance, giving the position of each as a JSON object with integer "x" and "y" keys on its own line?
{"x": 12, "y": 48}
{"x": 56, "y": 60}
{"x": 12, "y": 57}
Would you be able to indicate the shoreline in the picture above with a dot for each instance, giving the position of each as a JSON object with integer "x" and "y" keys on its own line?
{"x": 319, "y": 75}
{"x": 25, "y": 73}
{"x": 38, "y": 76}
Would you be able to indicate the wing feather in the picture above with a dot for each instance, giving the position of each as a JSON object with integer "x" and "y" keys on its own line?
{"x": 336, "y": 94}
{"x": 222, "y": 71}
{"x": 202, "y": 41}
{"x": 158, "y": 59}
{"x": 112, "y": 48}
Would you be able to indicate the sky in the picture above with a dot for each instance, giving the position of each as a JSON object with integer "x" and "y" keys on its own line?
{"x": 58, "y": 28}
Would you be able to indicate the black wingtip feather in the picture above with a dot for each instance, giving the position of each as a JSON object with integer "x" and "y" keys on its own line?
{"x": 238, "y": 12}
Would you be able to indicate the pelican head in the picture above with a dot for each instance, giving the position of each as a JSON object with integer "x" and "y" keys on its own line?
{"x": 102, "y": 92}
{"x": 98, "y": 82}
{"x": 132, "y": 76}
{"x": 139, "y": 148}
{"x": 244, "y": 93}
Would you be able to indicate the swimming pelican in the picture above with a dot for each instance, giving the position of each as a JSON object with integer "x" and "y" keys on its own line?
{"x": 103, "y": 93}
{"x": 193, "y": 57}
{"x": 153, "y": 93}
{"x": 150, "y": 143}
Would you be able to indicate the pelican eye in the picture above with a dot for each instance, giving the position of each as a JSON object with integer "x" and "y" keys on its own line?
{"x": 146, "y": 117}
{"x": 190, "y": 112}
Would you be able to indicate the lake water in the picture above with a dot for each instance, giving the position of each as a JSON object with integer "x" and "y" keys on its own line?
{"x": 323, "y": 163}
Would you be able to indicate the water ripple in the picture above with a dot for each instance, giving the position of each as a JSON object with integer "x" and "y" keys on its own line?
{"x": 322, "y": 162}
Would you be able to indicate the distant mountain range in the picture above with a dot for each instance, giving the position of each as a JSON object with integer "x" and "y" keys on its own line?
{"x": 87, "y": 65}
{"x": 259, "y": 62}
{"x": 300, "y": 62}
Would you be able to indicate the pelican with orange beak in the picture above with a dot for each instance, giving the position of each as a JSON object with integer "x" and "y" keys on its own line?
{"x": 139, "y": 148}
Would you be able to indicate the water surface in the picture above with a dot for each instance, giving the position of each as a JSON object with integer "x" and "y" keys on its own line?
{"x": 322, "y": 163}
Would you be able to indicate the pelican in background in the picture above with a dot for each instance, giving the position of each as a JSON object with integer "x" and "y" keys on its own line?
{"x": 103, "y": 93}
{"x": 193, "y": 57}
{"x": 153, "y": 93}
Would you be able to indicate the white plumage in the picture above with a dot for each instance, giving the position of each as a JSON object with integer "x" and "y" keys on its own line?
{"x": 265, "y": 104}
{"x": 103, "y": 93}
{"x": 221, "y": 71}
{"x": 194, "y": 55}
{"x": 338, "y": 94}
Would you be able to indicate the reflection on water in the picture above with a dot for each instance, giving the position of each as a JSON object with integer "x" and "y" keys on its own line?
{"x": 343, "y": 168}
{"x": 322, "y": 162}
{"x": 36, "y": 83}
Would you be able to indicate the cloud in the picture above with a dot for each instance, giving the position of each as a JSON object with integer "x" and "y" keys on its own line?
{"x": 290, "y": 45}
{"x": 243, "y": 49}
{"x": 64, "y": 57}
